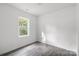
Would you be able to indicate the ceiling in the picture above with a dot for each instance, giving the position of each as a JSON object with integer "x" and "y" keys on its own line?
{"x": 41, "y": 8}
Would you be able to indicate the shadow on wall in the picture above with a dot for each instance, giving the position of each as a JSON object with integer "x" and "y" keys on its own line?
{"x": 49, "y": 35}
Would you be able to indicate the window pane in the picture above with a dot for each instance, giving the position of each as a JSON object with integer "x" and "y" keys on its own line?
{"x": 23, "y": 30}
{"x": 23, "y": 26}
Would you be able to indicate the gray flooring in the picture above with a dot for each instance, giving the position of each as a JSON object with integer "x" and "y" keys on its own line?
{"x": 42, "y": 49}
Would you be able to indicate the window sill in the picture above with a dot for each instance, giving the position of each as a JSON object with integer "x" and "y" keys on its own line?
{"x": 23, "y": 36}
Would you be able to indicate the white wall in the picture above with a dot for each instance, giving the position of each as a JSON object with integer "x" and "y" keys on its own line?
{"x": 59, "y": 28}
{"x": 77, "y": 26}
{"x": 9, "y": 39}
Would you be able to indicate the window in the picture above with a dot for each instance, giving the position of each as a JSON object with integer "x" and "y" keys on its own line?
{"x": 23, "y": 26}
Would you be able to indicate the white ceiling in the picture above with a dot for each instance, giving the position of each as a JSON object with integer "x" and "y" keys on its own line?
{"x": 41, "y": 8}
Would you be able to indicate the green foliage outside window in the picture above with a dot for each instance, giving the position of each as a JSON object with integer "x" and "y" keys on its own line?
{"x": 23, "y": 24}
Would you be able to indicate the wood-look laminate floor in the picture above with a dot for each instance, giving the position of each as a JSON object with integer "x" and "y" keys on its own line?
{"x": 42, "y": 49}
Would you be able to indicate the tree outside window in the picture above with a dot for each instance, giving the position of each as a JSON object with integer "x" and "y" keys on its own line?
{"x": 23, "y": 26}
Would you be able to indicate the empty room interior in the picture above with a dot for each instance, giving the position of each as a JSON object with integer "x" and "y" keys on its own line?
{"x": 39, "y": 29}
